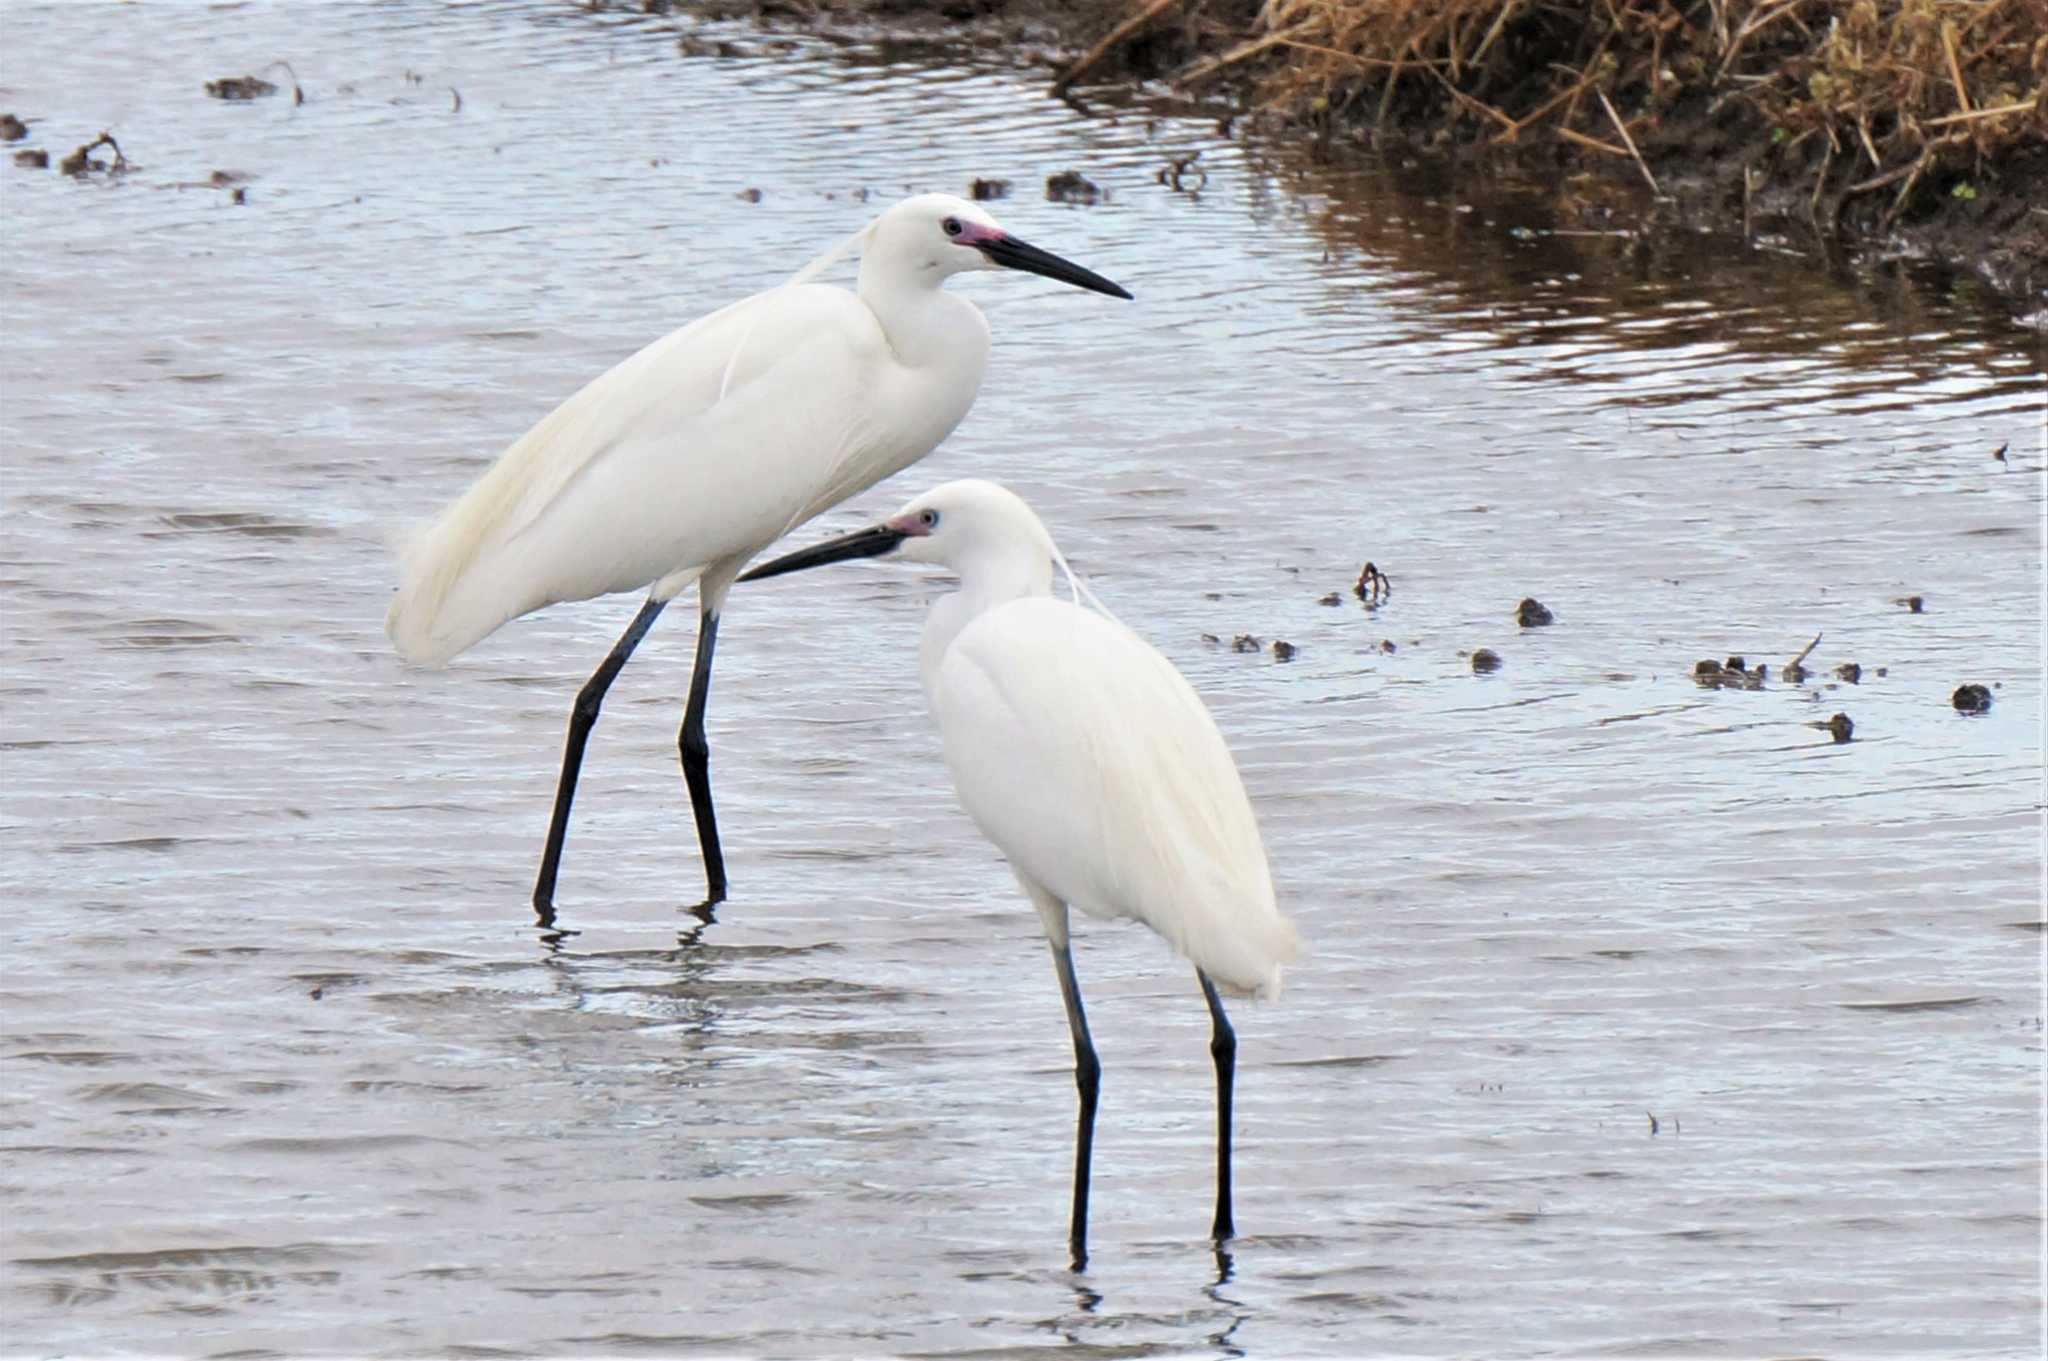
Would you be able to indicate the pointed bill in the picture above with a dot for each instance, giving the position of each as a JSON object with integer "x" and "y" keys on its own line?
{"x": 1009, "y": 252}
{"x": 862, "y": 543}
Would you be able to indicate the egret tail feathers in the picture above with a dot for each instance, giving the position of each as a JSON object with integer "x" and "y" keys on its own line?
{"x": 432, "y": 618}
{"x": 1248, "y": 958}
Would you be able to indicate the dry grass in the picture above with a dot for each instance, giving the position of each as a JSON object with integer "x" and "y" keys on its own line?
{"x": 1880, "y": 92}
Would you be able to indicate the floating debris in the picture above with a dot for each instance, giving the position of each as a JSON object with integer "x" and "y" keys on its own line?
{"x": 1331, "y": 599}
{"x": 34, "y": 158}
{"x": 240, "y": 87}
{"x": 1795, "y": 671}
{"x": 1184, "y": 174}
{"x": 1212, "y": 640}
{"x": 12, "y": 129}
{"x": 1998, "y": 453}
{"x": 1850, "y": 672}
{"x": 1729, "y": 675}
{"x": 1388, "y": 645}
{"x": 256, "y": 87}
{"x": 1971, "y": 699}
{"x": 1070, "y": 186}
{"x": 1914, "y": 603}
{"x": 702, "y": 47}
{"x": 1244, "y": 642}
{"x": 1533, "y": 614}
{"x": 1485, "y": 660}
{"x": 1372, "y": 587}
{"x": 750, "y": 195}
{"x": 80, "y": 162}
{"x": 1841, "y": 727}
{"x": 981, "y": 191}
{"x": 1283, "y": 652}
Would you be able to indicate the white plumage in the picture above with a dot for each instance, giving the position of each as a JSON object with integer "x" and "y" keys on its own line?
{"x": 1088, "y": 759}
{"x": 698, "y": 451}
{"x": 682, "y": 462}
{"x": 1092, "y": 765}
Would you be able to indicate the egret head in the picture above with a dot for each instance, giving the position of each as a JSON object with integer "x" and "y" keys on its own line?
{"x": 933, "y": 236}
{"x": 953, "y": 525}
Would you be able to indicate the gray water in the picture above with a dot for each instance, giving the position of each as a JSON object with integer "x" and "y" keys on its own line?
{"x": 289, "y": 1069}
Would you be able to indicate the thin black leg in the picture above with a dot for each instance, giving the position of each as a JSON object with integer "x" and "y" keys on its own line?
{"x": 582, "y": 719}
{"x": 1222, "y": 1048}
{"x": 1088, "y": 1078}
{"x": 696, "y": 752}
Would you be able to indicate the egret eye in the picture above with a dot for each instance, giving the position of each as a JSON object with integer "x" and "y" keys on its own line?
{"x": 951, "y": 226}
{"x": 928, "y": 518}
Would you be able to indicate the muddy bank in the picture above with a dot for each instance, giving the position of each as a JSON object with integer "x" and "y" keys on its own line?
{"x": 1889, "y": 131}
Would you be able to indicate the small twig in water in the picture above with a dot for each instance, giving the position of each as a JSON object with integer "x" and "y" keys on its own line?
{"x": 1373, "y": 586}
{"x": 1793, "y": 670}
{"x": 298, "y": 94}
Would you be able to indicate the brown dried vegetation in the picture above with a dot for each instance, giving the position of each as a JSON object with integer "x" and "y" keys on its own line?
{"x": 1898, "y": 100}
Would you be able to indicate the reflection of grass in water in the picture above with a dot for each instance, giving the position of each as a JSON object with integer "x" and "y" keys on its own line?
{"x": 1510, "y": 261}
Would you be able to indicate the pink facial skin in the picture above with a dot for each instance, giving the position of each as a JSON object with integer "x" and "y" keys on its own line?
{"x": 974, "y": 234}
{"x": 908, "y": 524}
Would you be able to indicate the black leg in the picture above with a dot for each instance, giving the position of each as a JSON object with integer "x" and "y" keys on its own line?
{"x": 1087, "y": 1077}
{"x": 696, "y": 753}
{"x": 1222, "y": 1048}
{"x": 582, "y": 719}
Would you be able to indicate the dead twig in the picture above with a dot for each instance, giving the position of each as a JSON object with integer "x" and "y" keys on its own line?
{"x": 1827, "y": 161}
{"x": 1795, "y": 670}
{"x": 1974, "y": 114}
{"x": 1877, "y": 182}
{"x": 1546, "y": 106}
{"x": 1756, "y": 23}
{"x": 1354, "y": 58}
{"x": 1476, "y": 105}
{"x": 1209, "y": 66}
{"x": 1594, "y": 142}
{"x": 1109, "y": 42}
{"x": 1629, "y": 141}
{"x": 1500, "y": 21}
{"x": 1955, "y": 70}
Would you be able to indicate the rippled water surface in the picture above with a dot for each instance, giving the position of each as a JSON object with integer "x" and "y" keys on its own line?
{"x": 289, "y": 1069}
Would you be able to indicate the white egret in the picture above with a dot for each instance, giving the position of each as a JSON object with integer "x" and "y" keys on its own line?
{"x": 1092, "y": 765}
{"x": 688, "y": 458}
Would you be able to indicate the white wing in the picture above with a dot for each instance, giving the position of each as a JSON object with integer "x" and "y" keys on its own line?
{"x": 689, "y": 452}
{"x": 1089, "y": 760}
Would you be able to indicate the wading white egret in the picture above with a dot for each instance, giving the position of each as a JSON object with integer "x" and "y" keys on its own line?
{"x": 1092, "y": 765}
{"x": 688, "y": 458}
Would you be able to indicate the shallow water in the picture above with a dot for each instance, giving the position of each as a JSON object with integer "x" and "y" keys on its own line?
{"x": 289, "y": 1069}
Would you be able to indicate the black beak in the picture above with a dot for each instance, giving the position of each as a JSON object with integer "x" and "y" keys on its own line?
{"x": 1011, "y": 253}
{"x": 862, "y": 543}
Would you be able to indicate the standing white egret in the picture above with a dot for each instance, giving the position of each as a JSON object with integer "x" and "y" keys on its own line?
{"x": 685, "y": 460}
{"x": 1092, "y": 765}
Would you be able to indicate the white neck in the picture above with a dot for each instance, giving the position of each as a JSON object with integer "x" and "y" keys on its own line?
{"x": 925, "y": 324}
{"x": 995, "y": 575}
